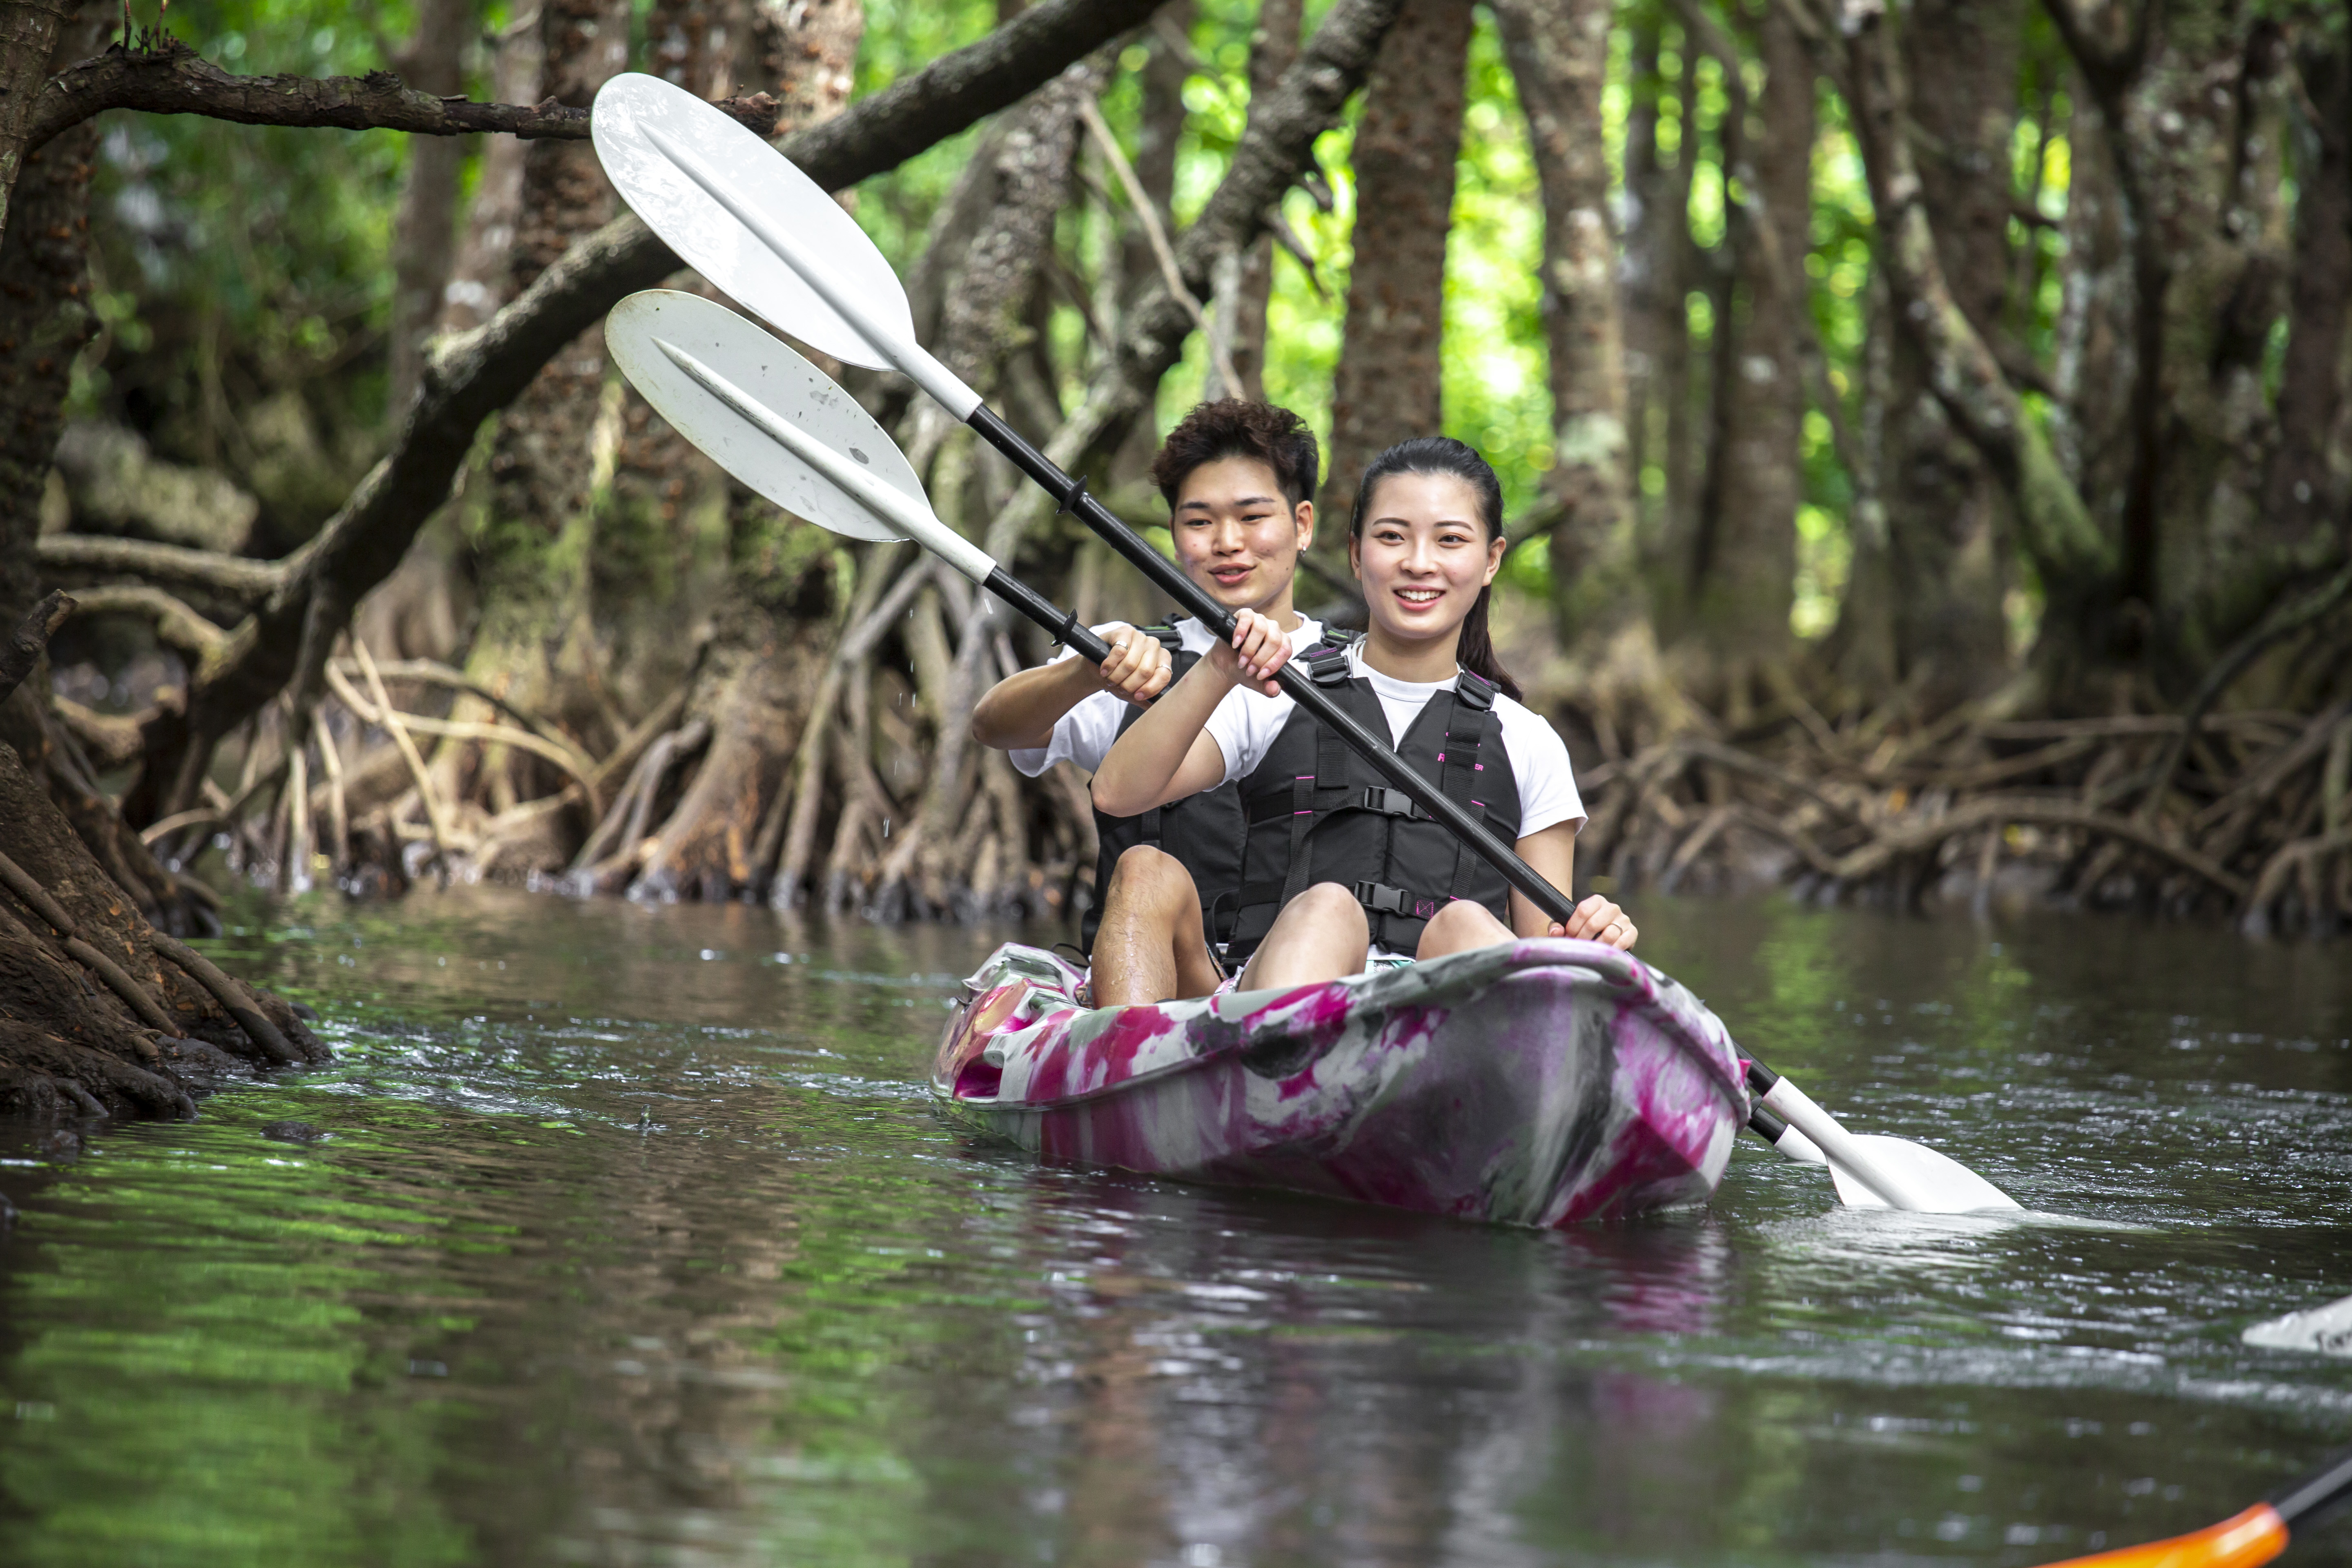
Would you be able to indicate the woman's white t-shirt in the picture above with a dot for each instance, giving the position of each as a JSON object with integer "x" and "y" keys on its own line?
{"x": 1244, "y": 731}
{"x": 1083, "y": 736}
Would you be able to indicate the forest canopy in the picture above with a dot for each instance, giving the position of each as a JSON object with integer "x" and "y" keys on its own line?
{"x": 1921, "y": 426}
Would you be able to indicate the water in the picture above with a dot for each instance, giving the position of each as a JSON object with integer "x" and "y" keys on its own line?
{"x": 633, "y": 1240}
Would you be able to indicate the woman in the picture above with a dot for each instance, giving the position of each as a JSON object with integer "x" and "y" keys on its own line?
{"x": 1338, "y": 869}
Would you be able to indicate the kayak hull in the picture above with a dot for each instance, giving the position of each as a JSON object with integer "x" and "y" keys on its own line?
{"x": 1540, "y": 1082}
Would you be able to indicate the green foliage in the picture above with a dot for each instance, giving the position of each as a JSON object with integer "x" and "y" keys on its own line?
{"x": 235, "y": 261}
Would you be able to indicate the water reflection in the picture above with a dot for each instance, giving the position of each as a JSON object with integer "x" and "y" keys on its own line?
{"x": 632, "y": 1240}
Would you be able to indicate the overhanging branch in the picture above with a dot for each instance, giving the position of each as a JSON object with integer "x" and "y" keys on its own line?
{"x": 175, "y": 80}
{"x": 473, "y": 377}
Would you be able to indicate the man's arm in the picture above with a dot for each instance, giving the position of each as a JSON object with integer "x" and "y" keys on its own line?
{"x": 1020, "y": 712}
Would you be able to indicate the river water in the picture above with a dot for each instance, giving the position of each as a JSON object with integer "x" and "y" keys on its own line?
{"x": 633, "y": 1238}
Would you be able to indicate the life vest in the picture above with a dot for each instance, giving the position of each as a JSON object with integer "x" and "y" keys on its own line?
{"x": 1203, "y": 831}
{"x": 1318, "y": 813}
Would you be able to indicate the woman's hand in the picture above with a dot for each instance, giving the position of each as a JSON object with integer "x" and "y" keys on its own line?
{"x": 1138, "y": 668}
{"x": 1598, "y": 919}
{"x": 1258, "y": 651}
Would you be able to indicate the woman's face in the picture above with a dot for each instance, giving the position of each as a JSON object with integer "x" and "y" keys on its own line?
{"x": 1423, "y": 555}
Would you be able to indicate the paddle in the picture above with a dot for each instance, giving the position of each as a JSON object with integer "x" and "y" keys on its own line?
{"x": 2242, "y": 1541}
{"x": 783, "y": 428}
{"x": 750, "y": 222}
{"x": 2327, "y": 1330}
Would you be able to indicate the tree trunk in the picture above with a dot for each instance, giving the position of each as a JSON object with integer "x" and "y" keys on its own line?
{"x": 1159, "y": 126}
{"x": 1948, "y": 531}
{"x": 1273, "y": 49}
{"x": 984, "y": 323}
{"x": 29, "y": 30}
{"x": 481, "y": 279}
{"x": 1558, "y": 52}
{"x": 533, "y": 539}
{"x": 1745, "y": 566}
{"x": 45, "y": 320}
{"x": 2301, "y": 492}
{"x": 1387, "y": 387}
{"x": 773, "y": 607}
{"x": 82, "y": 1006}
{"x": 2216, "y": 230}
{"x": 425, "y": 228}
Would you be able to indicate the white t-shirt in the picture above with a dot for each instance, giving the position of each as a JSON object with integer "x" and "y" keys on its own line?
{"x": 1244, "y": 731}
{"x": 1083, "y": 736}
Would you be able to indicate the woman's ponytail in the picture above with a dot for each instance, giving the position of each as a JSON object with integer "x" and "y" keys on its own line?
{"x": 1445, "y": 455}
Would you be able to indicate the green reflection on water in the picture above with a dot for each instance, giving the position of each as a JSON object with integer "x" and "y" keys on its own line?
{"x": 634, "y": 1241}
{"x": 232, "y": 1416}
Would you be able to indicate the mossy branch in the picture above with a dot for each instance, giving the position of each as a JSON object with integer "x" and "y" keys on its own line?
{"x": 172, "y": 79}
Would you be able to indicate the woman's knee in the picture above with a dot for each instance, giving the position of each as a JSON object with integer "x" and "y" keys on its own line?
{"x": 1459, "y": 925}
{"x": 1330, "y": 908}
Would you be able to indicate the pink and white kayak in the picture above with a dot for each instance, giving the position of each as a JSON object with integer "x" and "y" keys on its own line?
{"x": 1534, "y": 1083}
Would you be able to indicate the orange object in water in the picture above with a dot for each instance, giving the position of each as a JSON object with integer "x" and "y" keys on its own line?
{"x": 2245, "y": 1541}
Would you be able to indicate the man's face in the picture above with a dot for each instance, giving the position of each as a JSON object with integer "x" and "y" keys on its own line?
{"x": 1236, "y": 536}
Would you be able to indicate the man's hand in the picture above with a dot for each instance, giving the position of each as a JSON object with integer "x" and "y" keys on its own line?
{"x": 1258, "y": 651}
{"x": 1138, "y": 668}
{"x": 1598, "y": 919}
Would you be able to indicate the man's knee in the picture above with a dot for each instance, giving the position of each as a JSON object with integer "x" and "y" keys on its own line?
{"x": 1149, "y": 875}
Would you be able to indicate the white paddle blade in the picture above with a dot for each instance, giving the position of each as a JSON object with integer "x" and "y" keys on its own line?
{"x": 659, "y": 336}
{"x": 2327, "y": 1330}
{"x": 710, "y": 187}
{"x": 1936, "y": 1184}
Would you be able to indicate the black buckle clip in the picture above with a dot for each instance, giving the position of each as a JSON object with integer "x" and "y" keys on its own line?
{"x": 1383, "y": 900}
{"x": 1392, "y": 802}
{"x": 1329, "y": 666}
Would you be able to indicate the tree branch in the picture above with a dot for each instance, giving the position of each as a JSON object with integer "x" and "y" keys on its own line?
{"x": 175, "y": 622}
{"x": 473, "y": 375}
{"x": 23, "y": 649}
{"x": 1276, "y": 150}
{"x": 233, "y": 576}
{"x": 175, "y": 79}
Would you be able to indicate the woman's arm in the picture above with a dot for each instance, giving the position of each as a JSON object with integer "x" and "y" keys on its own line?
{"x": 1553, "y": 852}
{"x": 1020, "y": 712}
{"x": 1165, "y": 755}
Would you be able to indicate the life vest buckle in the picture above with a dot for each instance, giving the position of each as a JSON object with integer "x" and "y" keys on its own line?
{"x": 1392, "y": 802}
{"x": 1382, "y": 899}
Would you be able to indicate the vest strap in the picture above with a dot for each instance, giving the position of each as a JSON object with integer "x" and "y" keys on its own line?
{"x": 1376, "y": 898}
{"x": 1472, "y": 714}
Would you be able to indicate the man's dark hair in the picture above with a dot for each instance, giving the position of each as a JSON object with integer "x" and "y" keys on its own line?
{"x": 1236, "y": 427}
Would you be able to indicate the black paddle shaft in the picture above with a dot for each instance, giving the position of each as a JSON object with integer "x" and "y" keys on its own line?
{"x": 1170, "y": 580}
{"x": 1063, "y": 625}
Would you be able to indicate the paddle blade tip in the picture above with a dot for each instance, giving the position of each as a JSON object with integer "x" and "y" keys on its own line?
{"x": 2326, "y": 1331}
{"x": 1936, "y": 1182}
{"x": 745, "y": 217}
{"x": 2245, "y": 1541}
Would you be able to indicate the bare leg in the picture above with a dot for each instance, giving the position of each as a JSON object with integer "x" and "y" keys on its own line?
{"x": 1319, "y": 935}
{"x": 1459, "y": 926}
{"x": 1150, "y": 947}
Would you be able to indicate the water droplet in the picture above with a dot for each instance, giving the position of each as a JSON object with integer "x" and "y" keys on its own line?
{"x": 861, "y": 456}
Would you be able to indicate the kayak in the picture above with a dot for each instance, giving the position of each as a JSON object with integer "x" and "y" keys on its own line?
{"x": 1537, "y": 1082}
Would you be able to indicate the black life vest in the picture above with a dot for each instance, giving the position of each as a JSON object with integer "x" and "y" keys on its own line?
{"x": 1318, "y": 813}
{"x": 1203, "y": 832}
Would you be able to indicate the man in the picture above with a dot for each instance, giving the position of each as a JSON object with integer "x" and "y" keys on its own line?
{"x": 1236, "y": 476}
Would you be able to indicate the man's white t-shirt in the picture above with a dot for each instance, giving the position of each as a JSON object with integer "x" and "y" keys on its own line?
{"x": 1083, "y": 736}
{"x": 1245, "y": 730}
